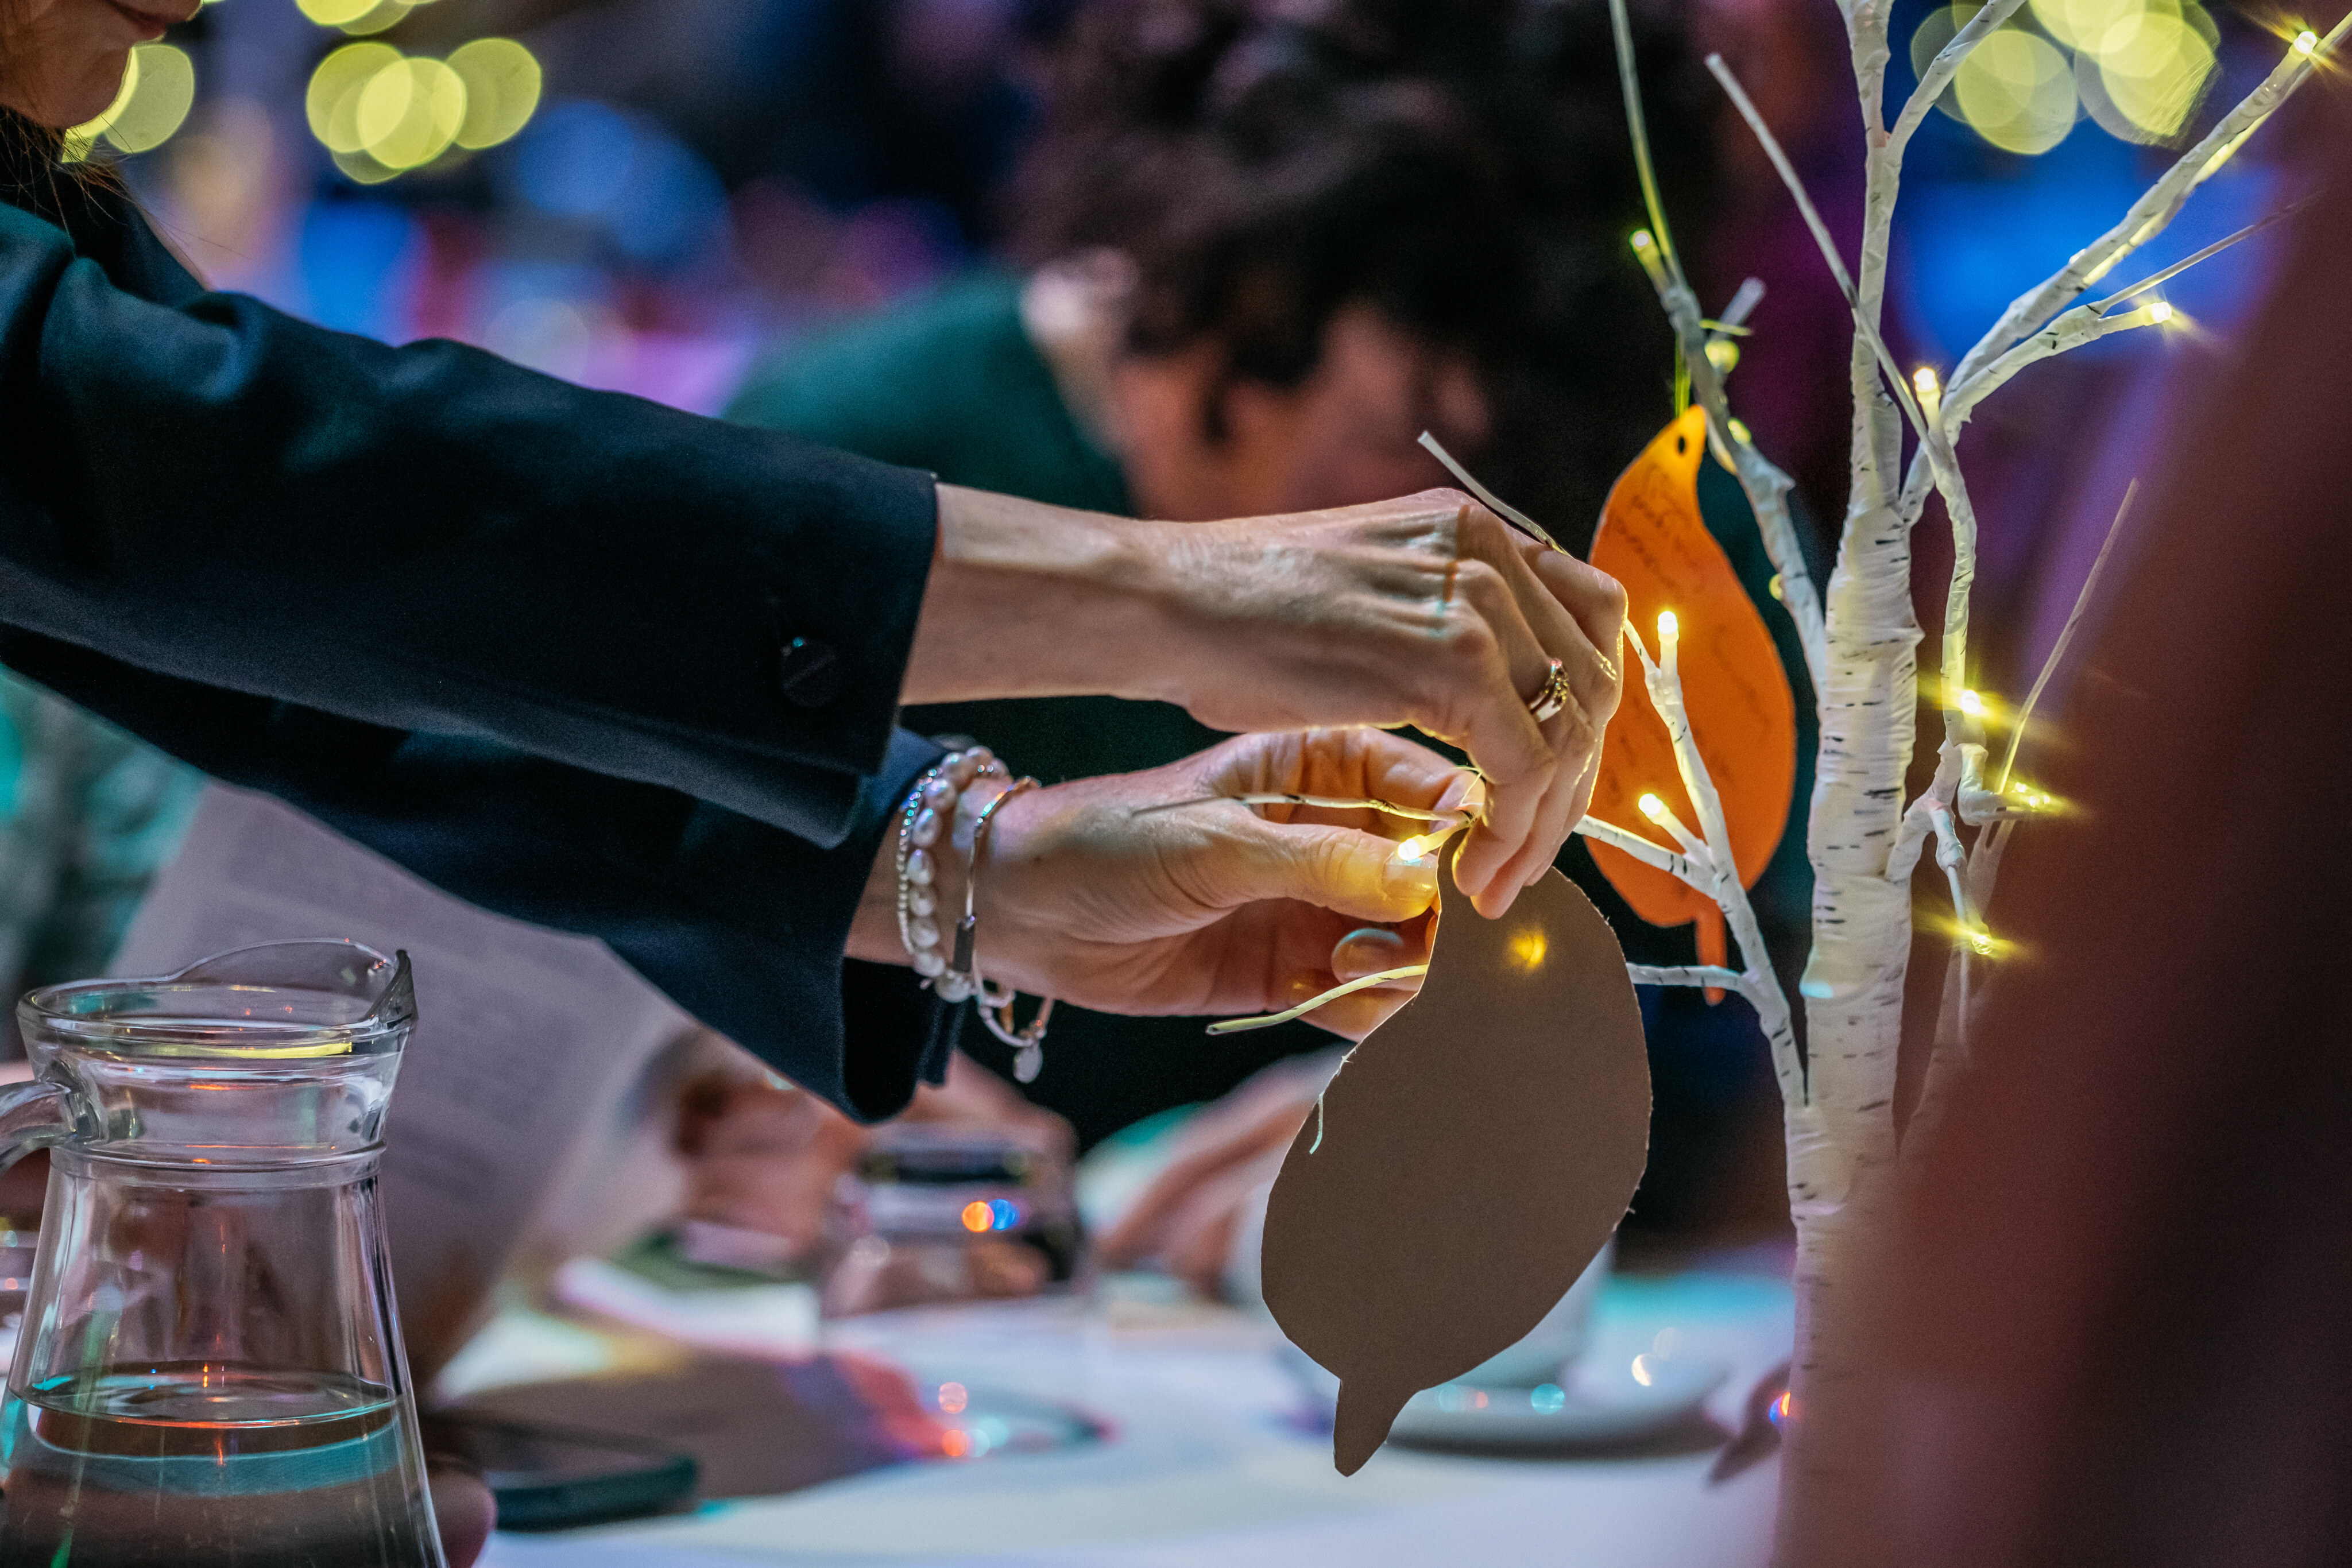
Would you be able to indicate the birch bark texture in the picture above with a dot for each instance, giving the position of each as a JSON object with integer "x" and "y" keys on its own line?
{"x": 1861, "y": 640}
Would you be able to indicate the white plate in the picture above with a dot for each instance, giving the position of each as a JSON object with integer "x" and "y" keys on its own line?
{"x": 1588, "y": 1404}
{"x": 1592, "y": 1403}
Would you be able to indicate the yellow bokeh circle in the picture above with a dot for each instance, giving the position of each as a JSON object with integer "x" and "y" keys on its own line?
{"x": 333, "y": 102}
{"x": 502, "y": 83}
{"x": 382, "y": 112}
{"x": 2155, "y": 71}
{"x": 408, "y": 113}
{"x": 159, "y": 86}
{"x": 2017, "y": 89}
{"x": 335, "y": 13}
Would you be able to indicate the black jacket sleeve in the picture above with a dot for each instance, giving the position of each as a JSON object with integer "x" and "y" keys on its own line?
{"x": 429, "y": 538}
{"x": 741, "y": 924}
{"x": 536, "y": 644}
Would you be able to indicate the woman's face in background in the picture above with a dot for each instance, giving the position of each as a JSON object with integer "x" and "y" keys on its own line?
{"x": 61, "y": 61}
{"x": 1347, "y": 434}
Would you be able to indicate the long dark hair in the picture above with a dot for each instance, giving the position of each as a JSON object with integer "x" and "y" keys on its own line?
{"x": 1461, "y": 165}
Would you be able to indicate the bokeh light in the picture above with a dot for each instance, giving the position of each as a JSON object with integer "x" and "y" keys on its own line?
{"x": 382, "y": 112}
{"x": 335, "y": 13}
{"x": 409, "y": 112}
{"x": 359, "y": 17}
{"x": 2017, "y": 89}
{"x": 2153, "y": 69}
{"x": 502, "y": 83}
{"x": 333, "y": 102}
{"x": 2138, "y": 68}
{"x": 159, "y": 84}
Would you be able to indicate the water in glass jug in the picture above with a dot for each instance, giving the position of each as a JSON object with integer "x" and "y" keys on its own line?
{"x": 210, "y": 1368}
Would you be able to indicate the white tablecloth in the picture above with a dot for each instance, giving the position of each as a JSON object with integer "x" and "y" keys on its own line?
{"x": 1206, "y": 1463}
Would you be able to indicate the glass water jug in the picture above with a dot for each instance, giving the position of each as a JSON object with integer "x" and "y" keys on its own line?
{"x": 210, "y": 1368}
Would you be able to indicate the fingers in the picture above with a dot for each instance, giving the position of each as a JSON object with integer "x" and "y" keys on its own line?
{"x": 465, "y": 1511}
{"x": 1356, "y": 875}
{"x": 1367, "y": 951}
{"x": 1566, "y": 795}
{"x": 1144, "y": 1231}
{"x": 1564, "y": 609}
{"x": 1353, "y": 762}
{"x": 1596, "y": 601}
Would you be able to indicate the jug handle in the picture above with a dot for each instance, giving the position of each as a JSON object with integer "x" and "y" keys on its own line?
{"x": 33, "y": 1115}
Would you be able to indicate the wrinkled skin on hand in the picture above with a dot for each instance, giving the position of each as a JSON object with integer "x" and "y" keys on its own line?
{"x": 1115, "y": 894}
{"x": 1427, "y": 611}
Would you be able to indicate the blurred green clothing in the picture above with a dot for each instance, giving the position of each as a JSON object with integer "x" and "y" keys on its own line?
{"x": 90, "y": 816}
{"x": 952, "y": 382}
{"x": 948, "y": 381}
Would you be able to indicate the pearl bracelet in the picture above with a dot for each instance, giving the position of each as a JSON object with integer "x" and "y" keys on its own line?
{"x": 940, "y": 808}
{"x": 928, "y": 814}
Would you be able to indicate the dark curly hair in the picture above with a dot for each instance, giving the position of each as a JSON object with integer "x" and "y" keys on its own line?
{"x": 1461, "y": 165}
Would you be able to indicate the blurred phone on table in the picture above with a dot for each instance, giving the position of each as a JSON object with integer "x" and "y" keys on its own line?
{"x": 943, "y": 1211}
{"x": 551, "y": 1479}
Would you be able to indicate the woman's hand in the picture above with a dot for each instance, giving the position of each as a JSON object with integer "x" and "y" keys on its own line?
{"x": 1115, "y": 894}
{"x": 1213, "y": 908}
{"x": 1426, "y": 611}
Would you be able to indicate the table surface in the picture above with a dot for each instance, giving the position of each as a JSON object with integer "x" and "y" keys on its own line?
{"x": 1207, "y": 1460}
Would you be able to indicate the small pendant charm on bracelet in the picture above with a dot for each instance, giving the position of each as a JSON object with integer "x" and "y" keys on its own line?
{"x": 926, "y": 830}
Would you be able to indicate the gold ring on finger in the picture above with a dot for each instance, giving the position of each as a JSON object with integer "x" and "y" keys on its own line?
{"x": 1547, "y": 702}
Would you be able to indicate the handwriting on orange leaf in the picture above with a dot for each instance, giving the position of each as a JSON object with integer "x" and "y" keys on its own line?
{"x": 1742, "y": 713}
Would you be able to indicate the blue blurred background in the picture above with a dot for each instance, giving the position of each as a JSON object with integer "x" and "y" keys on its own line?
{"x": 669, "y": 185}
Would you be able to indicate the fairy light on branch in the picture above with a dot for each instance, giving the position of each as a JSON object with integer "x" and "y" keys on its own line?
{"x": 1930, "y": 388}
{"x": 1840, "y": 1129}
{"x": 1696, "y": 848}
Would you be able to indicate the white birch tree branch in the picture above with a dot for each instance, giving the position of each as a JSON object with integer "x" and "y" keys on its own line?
{"x": 1933, "y": 447}
{"x": 1765, "y": 485}
{"x": 2065, "y": 637}
{"x": 1762, "y": 987}
{"x": 1953, "y": 860}
{"x": 1675, "y": 865}
{"x": 1706, "y": 975}
{"x": 1940, "y": 71}
{"x": 2155, "y": 209}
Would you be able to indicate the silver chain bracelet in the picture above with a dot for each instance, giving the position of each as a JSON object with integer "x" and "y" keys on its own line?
{"x": 927, "y": 824}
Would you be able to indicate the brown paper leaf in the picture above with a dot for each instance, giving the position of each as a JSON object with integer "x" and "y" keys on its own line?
{"x": 1476, "y": 1153}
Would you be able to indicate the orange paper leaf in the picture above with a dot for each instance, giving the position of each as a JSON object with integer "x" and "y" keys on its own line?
{"x": 1742, "y": 713}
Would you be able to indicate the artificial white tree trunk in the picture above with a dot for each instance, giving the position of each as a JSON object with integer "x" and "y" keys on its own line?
{"x": 1861, "y": 642}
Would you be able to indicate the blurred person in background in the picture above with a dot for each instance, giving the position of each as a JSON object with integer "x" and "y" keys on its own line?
{"x": 633, "y": 674}
{"x": 1261, "y": 250}
{"x": 422, "y": 593}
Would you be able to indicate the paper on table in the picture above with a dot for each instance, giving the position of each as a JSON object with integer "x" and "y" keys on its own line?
{"x": 519, "y": 1092}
